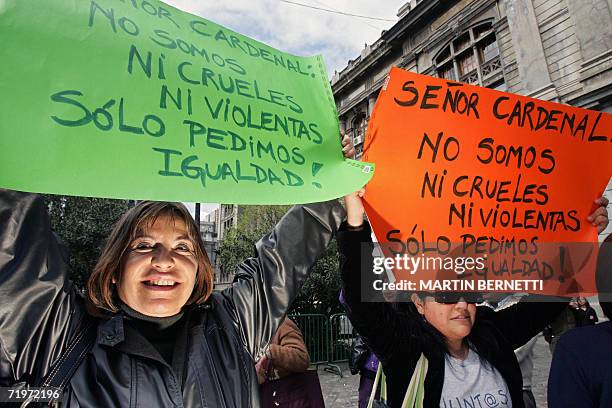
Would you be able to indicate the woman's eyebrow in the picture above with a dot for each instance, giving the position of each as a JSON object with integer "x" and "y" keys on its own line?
{"x": 154, "y": 237}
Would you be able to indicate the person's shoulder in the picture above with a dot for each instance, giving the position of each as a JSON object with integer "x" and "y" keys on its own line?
{"x": 485, "y": 312}
{"x": 218, "y": 308}
{"x": 216, "y": 299}
{"x": 587, "y": 338}
{"x": 601, "y": 331}
{"x": 215, "y": 303}
{"x": 289, "y": 324}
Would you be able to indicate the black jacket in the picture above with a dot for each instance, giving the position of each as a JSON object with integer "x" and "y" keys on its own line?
{"x": 40, "y": 312}
{"x": 397, "y": 337}
{"x": 586, "y": 317}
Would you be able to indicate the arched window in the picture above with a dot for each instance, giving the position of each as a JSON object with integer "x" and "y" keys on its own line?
{"x": 472, "y": 57}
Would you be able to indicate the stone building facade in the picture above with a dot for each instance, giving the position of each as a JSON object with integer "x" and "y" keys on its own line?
{"x": 557, "y": 50}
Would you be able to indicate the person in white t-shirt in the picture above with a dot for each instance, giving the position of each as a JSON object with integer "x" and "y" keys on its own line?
{"x": 469, "y": 349}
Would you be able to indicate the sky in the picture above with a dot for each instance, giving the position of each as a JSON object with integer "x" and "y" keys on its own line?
{"x": 299, "y": 30}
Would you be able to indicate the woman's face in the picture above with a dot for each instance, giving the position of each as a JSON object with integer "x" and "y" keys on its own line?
{"x": 581, "y": 301}
{"x": 159, "y": 268}
{"x": 453, "y": 320}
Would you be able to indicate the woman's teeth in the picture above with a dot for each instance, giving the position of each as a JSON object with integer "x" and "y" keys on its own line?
{"x": 160, "y": 283}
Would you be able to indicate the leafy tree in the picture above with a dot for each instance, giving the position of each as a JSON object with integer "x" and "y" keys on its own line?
{"x": 83, "y": 224}
{"x": 320, "y": 291}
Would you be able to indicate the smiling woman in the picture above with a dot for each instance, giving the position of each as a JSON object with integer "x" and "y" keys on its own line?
{"x": 469, "y": 349}
{"x": 162, "y": 337}
{"x": 156, "y": 260}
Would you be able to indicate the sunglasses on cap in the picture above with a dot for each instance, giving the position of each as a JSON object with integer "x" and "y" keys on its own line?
{"x": 448, "y": 298}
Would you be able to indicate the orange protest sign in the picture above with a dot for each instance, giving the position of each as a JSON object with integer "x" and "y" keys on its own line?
{"x": 506, "y": 178}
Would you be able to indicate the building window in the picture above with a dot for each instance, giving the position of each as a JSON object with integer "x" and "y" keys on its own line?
{"x": 473, "y": 57}
{"x": 462, "y": 42}
{"x": 359, "y": 128}
{"x": 481, "y": 30}
{"x": 444, "y": 54}
{"x": 447, "y": 71}
{"x": 467, "y": 63}
{"x": 488, "y": 49}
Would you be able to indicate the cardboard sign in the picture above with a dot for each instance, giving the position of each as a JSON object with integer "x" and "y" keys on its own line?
{"x": 136, "y": 99}
{"x": 506, "y": 178}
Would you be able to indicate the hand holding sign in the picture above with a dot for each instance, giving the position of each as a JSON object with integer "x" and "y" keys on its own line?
{"x": 354, "y": 208}
{"x": 599, "y": 218}
{"x": 347, "y": 146}
{"x": 500, "y": 175}
{"x": 140, "y": 100}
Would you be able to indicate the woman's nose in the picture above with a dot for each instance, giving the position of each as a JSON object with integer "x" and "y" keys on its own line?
{"x": 162, "y": 259}
{"x": 461, "y": 304}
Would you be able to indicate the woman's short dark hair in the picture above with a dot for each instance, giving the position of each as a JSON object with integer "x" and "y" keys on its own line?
{"x": 586, "y": 302}
{"x": 100, "y": 288}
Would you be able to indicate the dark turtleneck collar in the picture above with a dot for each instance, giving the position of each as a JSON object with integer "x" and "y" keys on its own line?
{"x": 167, "y": 335}
{"x": 158, "y": 323}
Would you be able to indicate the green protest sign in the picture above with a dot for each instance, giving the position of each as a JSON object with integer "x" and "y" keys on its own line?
{"x": 136, "y": 99}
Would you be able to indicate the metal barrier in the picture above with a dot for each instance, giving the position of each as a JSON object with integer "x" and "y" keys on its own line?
{"x": 315, "y": 329}
{"x": 341, "y": 338}
{"x": 328, "y": 340}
